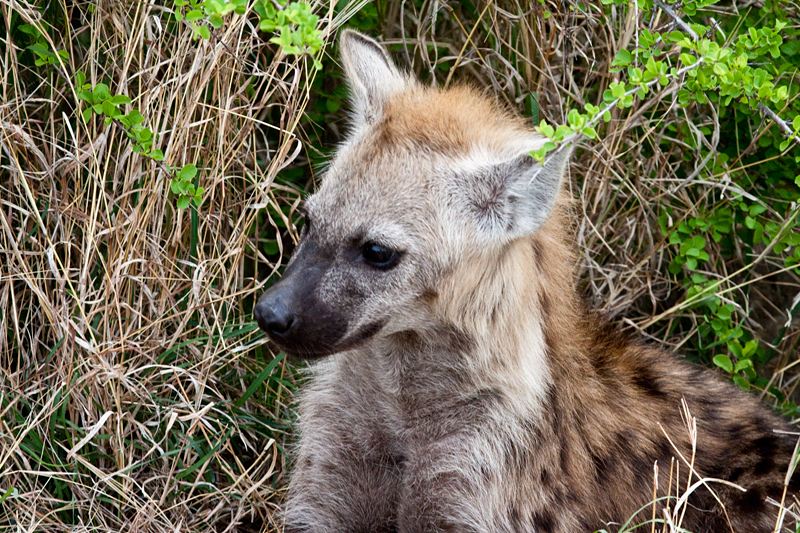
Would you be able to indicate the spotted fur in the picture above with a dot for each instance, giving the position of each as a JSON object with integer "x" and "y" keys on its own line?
{"x": 466, "y": 388}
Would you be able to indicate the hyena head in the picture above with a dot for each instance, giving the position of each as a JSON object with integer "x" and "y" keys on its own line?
{"x": 430, "y": 182}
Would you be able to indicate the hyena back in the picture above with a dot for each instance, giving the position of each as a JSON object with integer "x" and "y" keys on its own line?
{"x": 458, "y": 384}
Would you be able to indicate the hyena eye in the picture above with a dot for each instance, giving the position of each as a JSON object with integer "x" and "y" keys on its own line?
{"x": 379, "y": 256}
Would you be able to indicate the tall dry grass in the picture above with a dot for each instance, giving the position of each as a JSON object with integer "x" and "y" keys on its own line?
{"x": 126, "y": 343}
{"x": 136, "y": 393}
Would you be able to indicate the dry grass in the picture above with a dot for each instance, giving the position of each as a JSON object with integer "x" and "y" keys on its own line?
{"x": 127, "y": 340}
{"x": 136, "y": 393}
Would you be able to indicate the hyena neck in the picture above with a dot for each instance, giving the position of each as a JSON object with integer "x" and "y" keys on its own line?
{"x": 506, "y": 307}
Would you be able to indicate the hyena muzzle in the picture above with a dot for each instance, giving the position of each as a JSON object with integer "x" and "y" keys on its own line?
{"x": 457, "y": 383}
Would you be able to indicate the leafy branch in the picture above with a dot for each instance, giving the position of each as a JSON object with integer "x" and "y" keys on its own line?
{"x": 739, "y": 70}
{"x": 295, "y": 23}
{"x": 102, "y": 102}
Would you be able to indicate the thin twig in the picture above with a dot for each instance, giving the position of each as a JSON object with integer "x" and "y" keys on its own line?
{"x": 679, "y": 21}
{"x": 787, "y": 130}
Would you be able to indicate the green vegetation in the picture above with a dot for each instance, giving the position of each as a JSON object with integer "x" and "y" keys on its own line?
{"x": 747, "y": 74}
{"x": 153, "y": 158}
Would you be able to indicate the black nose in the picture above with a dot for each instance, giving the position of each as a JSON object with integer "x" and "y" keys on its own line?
{"x": 275, "y": 318}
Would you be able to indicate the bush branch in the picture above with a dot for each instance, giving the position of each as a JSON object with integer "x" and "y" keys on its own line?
{"x": 679, "y": 21}
{"x": 787, "y": 130}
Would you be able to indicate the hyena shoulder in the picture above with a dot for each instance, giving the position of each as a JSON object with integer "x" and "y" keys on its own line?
{"x": 456, "y": 382}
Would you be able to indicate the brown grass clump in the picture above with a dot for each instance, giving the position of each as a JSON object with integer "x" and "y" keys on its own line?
{"x": 136, "y": 393}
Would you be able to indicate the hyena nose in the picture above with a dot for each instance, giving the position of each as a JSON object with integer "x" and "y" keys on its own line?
{"x": 277, "y": 320}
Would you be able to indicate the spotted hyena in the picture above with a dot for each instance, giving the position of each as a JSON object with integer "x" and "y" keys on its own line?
{"x": 457, "y": 382}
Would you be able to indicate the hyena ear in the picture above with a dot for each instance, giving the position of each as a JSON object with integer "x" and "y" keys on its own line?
{"x": 370, "y": 73}
{"x": 514, "y": 198}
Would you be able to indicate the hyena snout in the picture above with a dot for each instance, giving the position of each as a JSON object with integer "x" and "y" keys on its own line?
{"x": 275, "y": 315}
{"x": 294, "y": 315}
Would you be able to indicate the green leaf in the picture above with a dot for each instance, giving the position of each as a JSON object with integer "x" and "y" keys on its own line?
{"x": 749, "y": 348}
{"x": 80, "y": 79}
{"x": 720, "y": 69}
{"x": 101, "y": 92}
{"x": 622, "y": 59}
{"x": 120, "y": 99}
{"x": 743, "y": 383}
{"x": 87, "y": 115}
{"x": 183, "y": 202}
{"x": 725, "y": 311}
{"x": 216, "y": 21}
{"x": 30, "y": 30}
{"x": 204, "y": 32}
{"x": 194, "y": 14}
{"x": 134, "y": 117}
{"x": 724, "y": 362}
{"x": 743, "y": 364}
{"x": 187, "y": 172}
{"x": 109, "y": 109}
{"x": 158, "y": 155}
{"x": 676, "y": 36}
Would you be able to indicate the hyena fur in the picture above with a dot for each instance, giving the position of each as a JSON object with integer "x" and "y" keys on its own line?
{"x": 457, "y": 382}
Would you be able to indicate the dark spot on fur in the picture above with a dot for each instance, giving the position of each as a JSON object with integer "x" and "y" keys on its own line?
{"x": 459, "y": 341}
{"x": 538, "y": 253}
{"x": 664, "y": 450}
{"x": 751, "y": 502}
{"x": 647, "y": 381}
{"x": 486, "y": 473}
{"x": 736, "y": 474}
{"x": 735, "y": 431}
{"x": 516, "y": 457}
{"x": 429, "y": 296}
{"x": 599, "y": 466}
{"x": 543, "y": 521}
{"x": 563, "y": 458}
{"x": 544, "y": 478}
{"x": 515, "y": 519}
{"x": 765, "y": 447}
{"x": 601, "y": 366}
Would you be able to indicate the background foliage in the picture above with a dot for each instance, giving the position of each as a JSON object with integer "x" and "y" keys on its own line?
{"x": 153, "y": 156}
